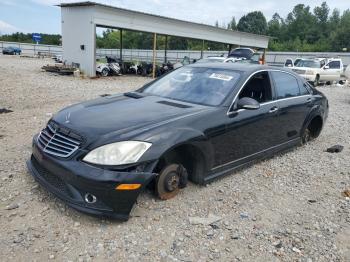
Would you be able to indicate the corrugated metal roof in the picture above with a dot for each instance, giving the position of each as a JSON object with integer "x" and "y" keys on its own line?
{"x": 88, "y": 3}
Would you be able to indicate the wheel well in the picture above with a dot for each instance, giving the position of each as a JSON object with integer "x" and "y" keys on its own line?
{"x": 315, "y": 126}
{"x": 187, "y": 155}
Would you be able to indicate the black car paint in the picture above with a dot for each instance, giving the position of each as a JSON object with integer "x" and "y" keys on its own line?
{"x": 224, "y": 137}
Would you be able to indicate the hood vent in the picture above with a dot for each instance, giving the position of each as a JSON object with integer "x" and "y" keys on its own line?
{"x": 173, "y": 104}
{"x": 133, "y": 95}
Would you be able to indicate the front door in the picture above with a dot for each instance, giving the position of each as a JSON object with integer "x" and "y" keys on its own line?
{"x": 250, "y": 131}
{"x": 331, "y": 71}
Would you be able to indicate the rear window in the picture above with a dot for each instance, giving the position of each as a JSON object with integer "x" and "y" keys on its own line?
{"x": 286, "y": 85}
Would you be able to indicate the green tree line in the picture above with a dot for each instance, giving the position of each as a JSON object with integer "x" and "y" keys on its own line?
{"x": 47, "y": 39}
{"x": 303, "y": 29}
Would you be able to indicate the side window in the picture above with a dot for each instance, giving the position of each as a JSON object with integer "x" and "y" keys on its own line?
{"x": 334, "y": 65}
{"x": 297, "y": 61}
{"x": 286, "y": 85}
{"x": 258, "y": 87}
{"x": 304, "y": 89}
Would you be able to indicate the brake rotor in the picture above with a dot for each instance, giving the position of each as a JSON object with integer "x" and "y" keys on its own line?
{"x": 168, "y": 182}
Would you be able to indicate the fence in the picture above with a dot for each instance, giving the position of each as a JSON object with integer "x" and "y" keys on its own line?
{"x": 274, "y": 58}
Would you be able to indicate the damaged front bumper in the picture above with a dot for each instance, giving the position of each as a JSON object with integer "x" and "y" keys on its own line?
{"x": 85, "y": 187}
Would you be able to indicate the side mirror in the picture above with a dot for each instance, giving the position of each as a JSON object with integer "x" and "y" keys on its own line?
{"x": 248, "y": 103}
{"x": 326, "y": 67}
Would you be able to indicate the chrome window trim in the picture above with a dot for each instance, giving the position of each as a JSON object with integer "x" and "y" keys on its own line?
{"x": 274, "y": 101}
{"x": 229, "y": 112}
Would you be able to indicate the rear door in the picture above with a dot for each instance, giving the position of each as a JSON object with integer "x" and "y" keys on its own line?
{"x": 294, "y": 102}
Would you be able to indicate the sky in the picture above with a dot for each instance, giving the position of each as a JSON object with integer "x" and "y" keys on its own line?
{"x": 42, "y": 16}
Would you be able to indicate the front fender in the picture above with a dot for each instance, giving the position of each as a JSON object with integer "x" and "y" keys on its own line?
{"x": 166, "y": 140}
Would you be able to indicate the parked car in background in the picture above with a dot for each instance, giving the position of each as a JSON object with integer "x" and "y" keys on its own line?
{"x": 347, "y": 72}
{"x": 256, "y": 59}
{"x": 242, "y": 52}
{"x": 197, "y": 123}
{"x": 11, "y": 50}
{"x": 320, "y": 70}
{"x": 211, "y": 59}
{"x": 219, "y": 59}
{"x": 233, "y": 59}
{"x": 291, "y": 63}
{"x": 185, "y": 61}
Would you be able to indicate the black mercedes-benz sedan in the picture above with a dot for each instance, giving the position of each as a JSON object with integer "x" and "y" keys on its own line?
{"x": 196, "y": 123}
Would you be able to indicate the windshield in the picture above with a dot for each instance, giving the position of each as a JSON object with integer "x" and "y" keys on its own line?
{"x": 199, "y": 85}
{"x": 309, "y": 63}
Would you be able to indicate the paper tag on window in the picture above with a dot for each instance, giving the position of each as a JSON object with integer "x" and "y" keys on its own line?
{"x": 221, "y": 77}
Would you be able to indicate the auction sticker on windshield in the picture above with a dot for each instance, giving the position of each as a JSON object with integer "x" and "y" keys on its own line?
{"x": 221, "y": 77}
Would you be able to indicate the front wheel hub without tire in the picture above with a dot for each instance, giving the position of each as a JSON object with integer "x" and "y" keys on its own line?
{"x": 171, "y": 181}
{"x": 168, "y": 183}
{"x": 306, "y": 136}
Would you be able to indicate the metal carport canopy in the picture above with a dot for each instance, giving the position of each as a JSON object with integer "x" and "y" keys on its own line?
{"x": 108, "y": 16}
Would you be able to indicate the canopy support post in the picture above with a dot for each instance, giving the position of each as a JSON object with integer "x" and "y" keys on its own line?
{"x": 121, "y": 44}
{"x": 154, "y": 55}
{"x": 166, "y": 49}
{"x": 202, "y": 49}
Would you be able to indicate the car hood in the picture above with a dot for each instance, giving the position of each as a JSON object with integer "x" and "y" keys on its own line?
{"x": 120, "y": 114}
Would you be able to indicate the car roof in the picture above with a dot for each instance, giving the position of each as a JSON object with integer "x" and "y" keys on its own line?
{"x": 233, "y": 66}
{"x": 243, "y": 68}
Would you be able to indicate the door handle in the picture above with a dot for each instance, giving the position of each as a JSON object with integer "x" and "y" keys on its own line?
{"x": 273, "y": 109}
{"x": 308, "y": 100}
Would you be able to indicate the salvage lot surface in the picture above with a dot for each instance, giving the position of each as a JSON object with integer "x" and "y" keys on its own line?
{"x": 287, "y": 208}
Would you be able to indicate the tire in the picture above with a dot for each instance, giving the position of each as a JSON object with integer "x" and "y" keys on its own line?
{"x": 317, "y": 81}
{"x": 170, "y": 180}
{"x": 105, "y": 72}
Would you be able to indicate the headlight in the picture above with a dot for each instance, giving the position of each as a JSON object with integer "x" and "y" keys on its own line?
{"x": 119, "y": 153}
{"x": 310, "y": 72}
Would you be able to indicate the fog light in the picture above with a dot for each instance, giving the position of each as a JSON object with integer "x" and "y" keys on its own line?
{"x": 90, "y": 198}
{"x": 128, "y": 186}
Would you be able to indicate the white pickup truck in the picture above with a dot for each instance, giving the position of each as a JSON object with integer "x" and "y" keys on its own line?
{"x": 319, "y": 69}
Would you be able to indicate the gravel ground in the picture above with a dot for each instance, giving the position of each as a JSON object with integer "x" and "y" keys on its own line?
{"x": 288, "y": 208}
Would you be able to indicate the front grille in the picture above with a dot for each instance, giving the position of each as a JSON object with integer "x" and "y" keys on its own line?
{"x": 53, "y": 180}
{"x": 57, "y": 143}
